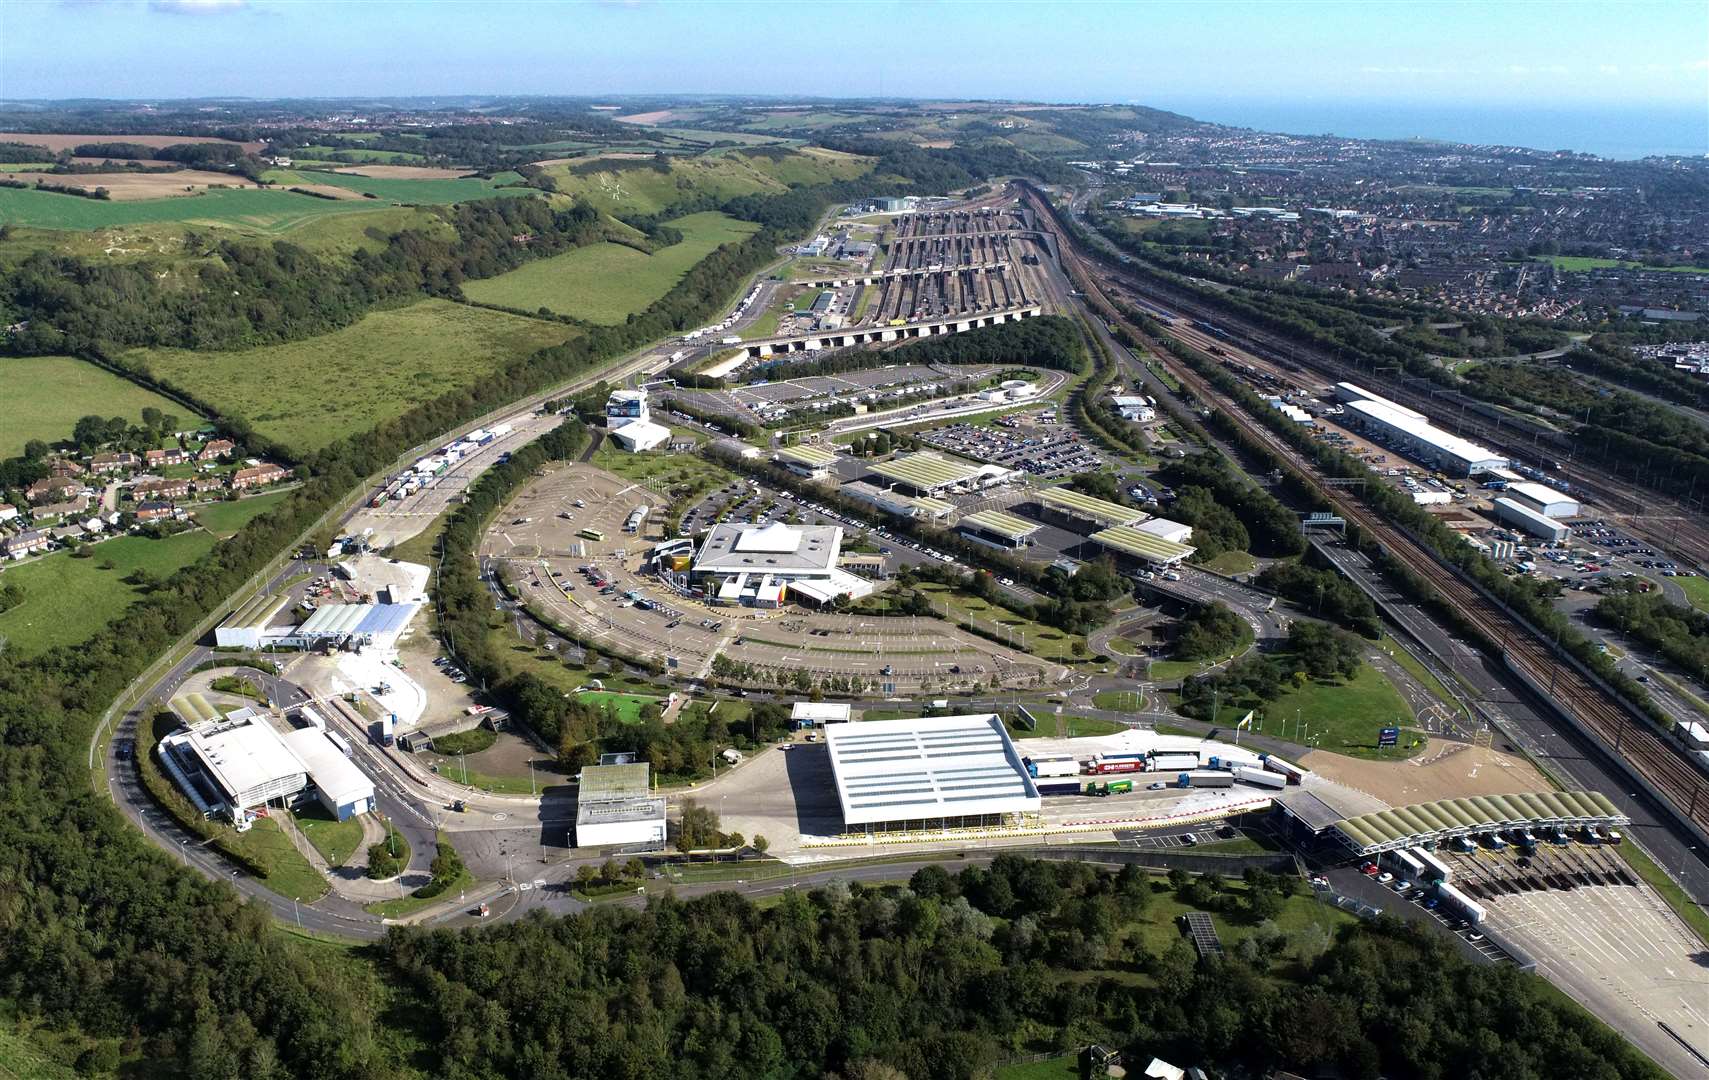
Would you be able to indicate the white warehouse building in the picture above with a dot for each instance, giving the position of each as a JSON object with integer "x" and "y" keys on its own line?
{"x": 615, "y": 808}
{"x": 1423, "y": 440}
{"x": 232, "y": 765}
{"x": 937, "y": 773}
{"x": 1544, "y": 499}
{"x": 1517, "y": 513}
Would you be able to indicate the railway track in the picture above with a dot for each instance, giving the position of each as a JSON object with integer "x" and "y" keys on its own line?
{"x": 1654, "y": 515}
{"x": 1646, "y": 749}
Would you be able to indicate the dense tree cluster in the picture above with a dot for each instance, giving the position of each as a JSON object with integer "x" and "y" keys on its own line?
{"x": 1272, "y": 529}
{"x": 1679, "y": 633}
{"x": 243, "y": 294}
{"x": 944, "y": 977}
{"x": 1324, "y": 594}
{"x": 1313, "y": 651}
{"x": 1210, "y": 631}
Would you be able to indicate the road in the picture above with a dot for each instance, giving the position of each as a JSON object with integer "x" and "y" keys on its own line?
{"x": 1532, "y": 726}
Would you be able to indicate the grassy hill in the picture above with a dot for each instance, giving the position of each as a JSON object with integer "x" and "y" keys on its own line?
{"x": 604, "y": 283}
{"x": 46, "y": 396}
{"x": 308, "y": 393}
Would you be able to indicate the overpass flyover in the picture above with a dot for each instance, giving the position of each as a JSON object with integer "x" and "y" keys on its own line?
{"x": 838, "y": 339}
{"x": 887, "y": 275}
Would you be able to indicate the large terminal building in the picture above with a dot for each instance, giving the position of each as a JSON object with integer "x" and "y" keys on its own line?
{"x": 231, "y": 765}
{"x": 944, "y": 772}
{"x": 758, "y": 565}
{"x": 1415, "y": 435}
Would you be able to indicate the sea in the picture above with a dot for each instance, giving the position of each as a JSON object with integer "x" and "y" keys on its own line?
{"x": 1611, "y": 132}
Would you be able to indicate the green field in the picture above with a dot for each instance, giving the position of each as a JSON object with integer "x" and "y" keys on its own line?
{"x": 1230, "y": 563}
{"x": 335, "y": 840}
{"x": 604, "y": 283}
{"x": 308, "y": 393}
{"x": 67, "y": 600}
{"x": 288, "y": 873}
{"x": 224, "y": 519}
{"x": 424, "y": 192}
{"x": 359, "y": 154}
{"x": 1343, "y": 717}
{"x": 1696, "y": 590}
{"x": 1062, "y": 1067}
{"x": 45, "y": 396}
{"x": 1580, "y": 262}
{"x": 628, "y": 705}
{"x": 248, "y": 209}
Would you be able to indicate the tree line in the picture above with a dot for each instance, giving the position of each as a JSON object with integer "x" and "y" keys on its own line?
{"x": 951, "y": 973}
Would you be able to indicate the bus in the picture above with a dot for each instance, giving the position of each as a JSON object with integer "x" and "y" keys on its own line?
{"x": 591, "y": 534}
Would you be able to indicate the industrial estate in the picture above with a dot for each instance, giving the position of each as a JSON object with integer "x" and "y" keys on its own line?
{"x": 853, "y": 523}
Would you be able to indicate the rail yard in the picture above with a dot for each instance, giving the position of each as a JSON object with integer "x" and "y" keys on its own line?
{"x": 1602, "y": 716}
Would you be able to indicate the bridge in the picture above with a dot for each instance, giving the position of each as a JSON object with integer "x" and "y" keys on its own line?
{"x": 886, "y": 275}
{"x": 838, "y": 339}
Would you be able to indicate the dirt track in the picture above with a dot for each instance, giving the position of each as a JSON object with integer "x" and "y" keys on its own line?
{"x": 1440, "y": 772}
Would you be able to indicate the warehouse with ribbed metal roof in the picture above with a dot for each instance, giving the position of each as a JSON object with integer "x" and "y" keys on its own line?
{"x": 941, "y": 772}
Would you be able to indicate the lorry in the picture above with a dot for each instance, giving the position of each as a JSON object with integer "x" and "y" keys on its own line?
{"x": 1059, "y": 787}
{"x": 385, "y": 729}
{"x": 1174, "y": 762}
{"x": 1294, "y": 773}
{"x": 1043, "y": 767}
{"x": 1457, "y": 901}
{"x": 1118, "y": 763}
{"x": 1434, "y": 869}
{"x": 1263, "y": 778}
{"x": 1205, "y": 778}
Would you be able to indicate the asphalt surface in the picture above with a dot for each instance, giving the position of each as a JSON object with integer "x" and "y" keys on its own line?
{"x": 1533, "y": 726}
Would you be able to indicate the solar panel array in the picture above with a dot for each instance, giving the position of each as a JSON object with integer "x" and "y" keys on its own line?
{"x": 1203, "y": 932}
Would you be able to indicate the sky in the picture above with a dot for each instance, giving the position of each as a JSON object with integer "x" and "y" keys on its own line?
{"x": 1446, "y": 53}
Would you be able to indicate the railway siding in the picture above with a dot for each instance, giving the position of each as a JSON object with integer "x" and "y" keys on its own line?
{"x": 1585, "y": 703}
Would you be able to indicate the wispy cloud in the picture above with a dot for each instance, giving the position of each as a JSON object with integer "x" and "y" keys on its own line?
{"x": 197, "y": 7}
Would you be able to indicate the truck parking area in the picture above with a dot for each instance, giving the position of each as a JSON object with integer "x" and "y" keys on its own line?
{"x": 873, "y": 389}
{"x": 544, "y": 544}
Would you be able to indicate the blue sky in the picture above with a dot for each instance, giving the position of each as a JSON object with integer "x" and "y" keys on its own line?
{"x": 1442, "y": 53}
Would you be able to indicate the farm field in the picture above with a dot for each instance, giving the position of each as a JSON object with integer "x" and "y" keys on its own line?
{"x": 46, "y": 396}
{"x": 134, "y": 187}
{"x": 59, "y": 142}
{"x": 247, "y": 209}
{"x": 604, "y": 283}
{"x": 308, "y": 393}
{"x": 68, "y": 600}
{"x": 358, "y": 153}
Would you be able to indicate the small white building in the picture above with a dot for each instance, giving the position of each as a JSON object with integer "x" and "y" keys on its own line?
{"x": 640, "y": 437}
{"x": 615, "y": 808}
{"x": 806, "y": 714}
{"x": 1544, "y": 499}
{"x": 1173, "y": 531}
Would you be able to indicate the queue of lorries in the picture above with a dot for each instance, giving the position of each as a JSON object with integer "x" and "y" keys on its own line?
{"x": 1059, "y": 775}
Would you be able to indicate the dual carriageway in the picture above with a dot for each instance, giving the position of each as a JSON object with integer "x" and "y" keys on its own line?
{"x": 1595, "y": 710}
